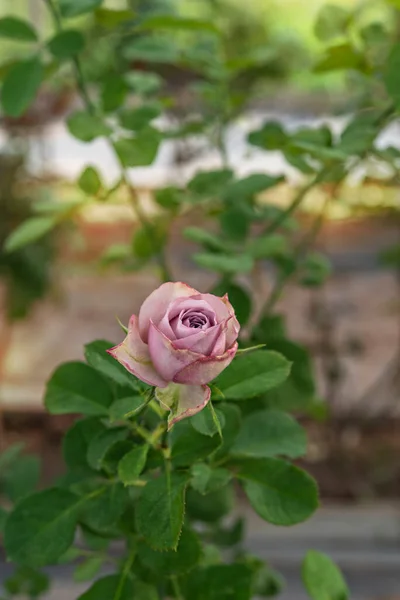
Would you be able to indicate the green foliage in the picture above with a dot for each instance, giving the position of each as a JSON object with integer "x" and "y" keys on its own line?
{"x": 132, "y": 464}
{"x": 252, "y": 374}
{"x": 17, "y": 29}
{"x": 160, "y": 510}
{"x": 89, "y": 181}
{"x": 322, "y": 578}
{"x": 66, "y": 44}
{"x": 278, "y": 491}
{"x": 29, "y": 231}
{"x": 140, "y": 150}
{"x": 20, "y": 86}
{"x": 73, "y": 8}
{"x": 87, "y": 127}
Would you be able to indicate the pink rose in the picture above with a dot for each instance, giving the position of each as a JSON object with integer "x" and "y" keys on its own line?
{"x": 181, "y": 340}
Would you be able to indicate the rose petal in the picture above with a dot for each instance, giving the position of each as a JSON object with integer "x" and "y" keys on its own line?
{"x": 134, "y": 355}
{"x": 155, "y": 306}
{"x": 224, "y": 310}
{"x": 204, "y": 342}
{"x": 206, "y": 368}
{"x": 168, "y": 359}
{"x": 183, "y": 400}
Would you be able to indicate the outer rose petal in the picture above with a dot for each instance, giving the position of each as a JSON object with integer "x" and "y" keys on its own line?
{"x": 206, "y": 368}
{"x": 224, "y": 310}
{"x": 155, "y": 306}
{"x": 168, "y": 359}
{"x": 183, "y": 400}
{"x": 134, "y": 355}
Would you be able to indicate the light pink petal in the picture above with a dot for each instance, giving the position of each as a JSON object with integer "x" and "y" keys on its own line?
{"x": 183, "y": 400}
{"x": 224, "y": 311}
{"x": 206, "y": 368}
{"x": 205, "y": 342}
{"x": 155, "y": 306}
{"x": 166, "y": 358}
{"x": 134, "y": 355}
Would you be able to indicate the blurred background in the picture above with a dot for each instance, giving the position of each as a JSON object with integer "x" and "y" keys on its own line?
{"x": 67, "y": 287}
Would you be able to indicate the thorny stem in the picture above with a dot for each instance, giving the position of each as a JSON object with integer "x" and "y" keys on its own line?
{"x": 91, "y": 108}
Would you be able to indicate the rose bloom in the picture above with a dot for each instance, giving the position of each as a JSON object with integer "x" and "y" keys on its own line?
{"x": 180, "y": 341}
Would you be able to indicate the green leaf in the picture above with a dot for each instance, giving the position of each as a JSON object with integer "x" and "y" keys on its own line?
{"x": 140, "y": 150}
{"x": 235, "y": 221}
{"x": 271, "y": 136}
{"x": 233, "y": 419}
{"x": 238, "y": 297}
{"x": 77, "y": 388}
{"x": 322, "y": 578}
{"x": 341, "y": 56}
{"x": 392, "y": 75}
{"x": 188, "y": 445}
{"x": 268, "y": 246}
{"x": 316, "y": 269}
{"x": 114, "y": 90}
{"x": 10, "y": 455}
{"x": 66, "y": 44}
{"x": 183, "y": 559}
{"x": 28, "y": 232}
{"x": 251, "y": 185}
{"x": 17, "y": 29}
{"x": 160, "y": 509}
{"x": 169, "y": 198}
{"x": 77, "y": 439}
{"x": 97, "y": 357}
{"x": 208, "y": 421}
{"x": 278, "y": 491}
{"x": 89, "y": 181}
{"x": 20, "y": 86}
{"x": 41, "y": 528}
{"x": 211, "y": 507}
{"x": 252, "y": 374}
{"x": 204, "y": 237}
{"x": 88, "y": 569}
{"x": 332, "y": 22}
{"x": 173, "y": 22}
{"x": 224, "y": 263}
{"x": 27, "y": 582}
{"x": 112, "y": 18}
{"x": 104, "y": 510}
{"x": 125, "y": 408}
{"x": 221, "y": 582}
{"x": 143, "y": 83}
{"x": 22, "y": 478}
{"x": 270, "y": 433}
{"x": 112, "y": 587}
{"x": 152, "y": 49}
{"x": 139, "y": 118}
{"x": 210, "y": 183}
{"x": 132, "y": 464}
{"x": 73, "y": 8}
{"x": 86, "y": 127}
{"x": 101, "y": 444}
{"x": 3, "y": 518}
{"x": 205, "y": 479}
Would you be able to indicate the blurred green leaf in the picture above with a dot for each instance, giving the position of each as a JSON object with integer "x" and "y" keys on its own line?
{"x": 169, "y": 198}
{"x": 114, "y": 90}
{"x": 140, "y": 150}
{"x": 66, "y": 44}
{"x": 152, "y": 49}
{"x": 268, "y": 246}
{"x": 77, "y": 439}
{"x": 20, "y": 86}
{"x": 29, "y": 231}
{"x": 73, "y": 8}
{"x": 88, "y": 569}
{"x": 107, "y": 17}
{"x": 392, "y": 75}
{"x": 204, "y": 237}
{"x": 339, "y": 57}
{"x": 238, "y": 297}
{"x": 271, "y": 136}
{"x": 251, "y": 185}
{"x": 332, "y": 22}
{"x": 111, "y": 587}
{"x": 206, "y": 479}
{"x": 139, "y": 118}
{"x": 322, "y": 578}
{"x": 210, "y": 183}
{"x": 17, "y": 29}
{"x": 173, "y": 22}
{"x": 224, "y": 263}
{"x": 22, "y": 478}
{"x": 89, "y": 181}
{"x": 86, "y": 127}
